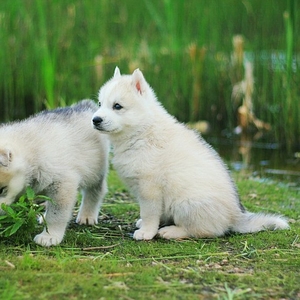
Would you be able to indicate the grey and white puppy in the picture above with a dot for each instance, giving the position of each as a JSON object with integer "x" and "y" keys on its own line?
{"x": 56, "y": 152}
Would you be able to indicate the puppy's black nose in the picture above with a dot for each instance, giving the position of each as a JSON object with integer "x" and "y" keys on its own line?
{"x": 97, "y": 120}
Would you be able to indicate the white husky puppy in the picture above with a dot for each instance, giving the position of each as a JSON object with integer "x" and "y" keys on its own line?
{"x": 180, "y": 182}
{"x": 56, "y": 153}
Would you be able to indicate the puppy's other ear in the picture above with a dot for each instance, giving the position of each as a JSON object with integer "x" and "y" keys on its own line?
{"x": 117, "y": 73}
{"x": 139, "y": 81}
{"x": 5, "y": 157}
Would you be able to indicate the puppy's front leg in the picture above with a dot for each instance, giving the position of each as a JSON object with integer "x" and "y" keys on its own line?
{"x": 58, "y": 213}
{"x": 92, "y": 198}
{"x": 150, "y": 212}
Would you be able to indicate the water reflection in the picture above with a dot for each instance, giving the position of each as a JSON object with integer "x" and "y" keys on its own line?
{"x": 261, "y": 159}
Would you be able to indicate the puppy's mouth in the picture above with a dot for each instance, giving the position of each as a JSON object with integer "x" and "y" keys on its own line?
{"x": 98, "y": 127}
{"x": 103, "y": 130}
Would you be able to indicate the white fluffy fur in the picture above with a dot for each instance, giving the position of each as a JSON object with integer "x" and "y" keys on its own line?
{"x": 56, "y": 153}
{"x": 179, "y": 181}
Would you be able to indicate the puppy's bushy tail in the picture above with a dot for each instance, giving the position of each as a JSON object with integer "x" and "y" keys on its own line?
{"x": 254, "y": 222}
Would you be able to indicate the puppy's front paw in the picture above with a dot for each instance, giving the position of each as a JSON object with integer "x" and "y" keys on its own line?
{"x": 47, "y": 240}
{"x": 144, "y": 235}
{"x": 83, "y": 219}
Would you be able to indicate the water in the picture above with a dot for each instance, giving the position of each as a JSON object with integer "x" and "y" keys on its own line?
{"x": 263, "y": 160}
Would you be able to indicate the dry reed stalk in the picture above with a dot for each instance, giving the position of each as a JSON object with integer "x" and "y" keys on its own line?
{"x": 244, "y": 88}
{"x": 237, "y": 59}
{"x": 197, "y": 56}
{"x": 98, "y": 60}
{"x": 246, "y": 115}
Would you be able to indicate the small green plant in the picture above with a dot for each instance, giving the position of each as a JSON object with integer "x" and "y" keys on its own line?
{"x": 233, "y": 294}
{"x": 248, "y": 251}
{"x": 21, "y": 217}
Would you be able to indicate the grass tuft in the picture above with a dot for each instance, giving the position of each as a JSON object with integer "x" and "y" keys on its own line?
{"x": 20, "y": 218}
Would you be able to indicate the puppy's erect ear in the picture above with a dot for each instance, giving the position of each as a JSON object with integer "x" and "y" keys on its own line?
{"x": 138, "y": 81}
{"x": 117, "y": 73}
{"x": 5, "y": 157}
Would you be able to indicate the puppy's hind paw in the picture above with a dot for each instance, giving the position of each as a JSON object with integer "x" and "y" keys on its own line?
{"x": 173, "y": 232}
{"x": 144, "y": 235}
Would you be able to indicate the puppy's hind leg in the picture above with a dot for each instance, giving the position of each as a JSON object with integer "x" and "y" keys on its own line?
{"x": 92, "y": 198}
{"x": 194, "y": 218}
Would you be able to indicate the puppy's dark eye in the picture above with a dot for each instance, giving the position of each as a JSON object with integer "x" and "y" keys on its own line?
{"x": 99, "y": 104}
{"x": 3, "y": 190}
{"x": 117, "y": 106}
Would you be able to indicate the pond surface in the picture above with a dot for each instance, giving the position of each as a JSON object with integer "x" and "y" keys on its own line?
{"x": 261, "y": 159}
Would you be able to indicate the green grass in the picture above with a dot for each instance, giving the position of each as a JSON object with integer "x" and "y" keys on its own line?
{"x": 58, "y": 52}
{"x": 104, "y": 262}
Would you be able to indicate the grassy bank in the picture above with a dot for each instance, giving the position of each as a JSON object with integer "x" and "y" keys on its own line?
{"x": 104, "y": 262}
{"x": 57, "y": 52}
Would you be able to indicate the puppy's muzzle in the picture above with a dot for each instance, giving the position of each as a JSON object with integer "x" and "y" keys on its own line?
{"x": 97, "y": 122}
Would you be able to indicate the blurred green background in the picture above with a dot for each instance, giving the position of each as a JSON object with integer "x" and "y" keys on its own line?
{"x": 58, "y": 52}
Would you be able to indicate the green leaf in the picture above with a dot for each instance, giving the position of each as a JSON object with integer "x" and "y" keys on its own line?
{"x": 16, "y": 226}
{"x": 9, "y": 211}
{"x": 3, "y": 206}
{"x": 30, "y": 193}
{"x": 22, "y": 198}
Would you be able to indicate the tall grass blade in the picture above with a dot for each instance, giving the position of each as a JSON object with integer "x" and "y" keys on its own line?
{"x": 47, "y": 61}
